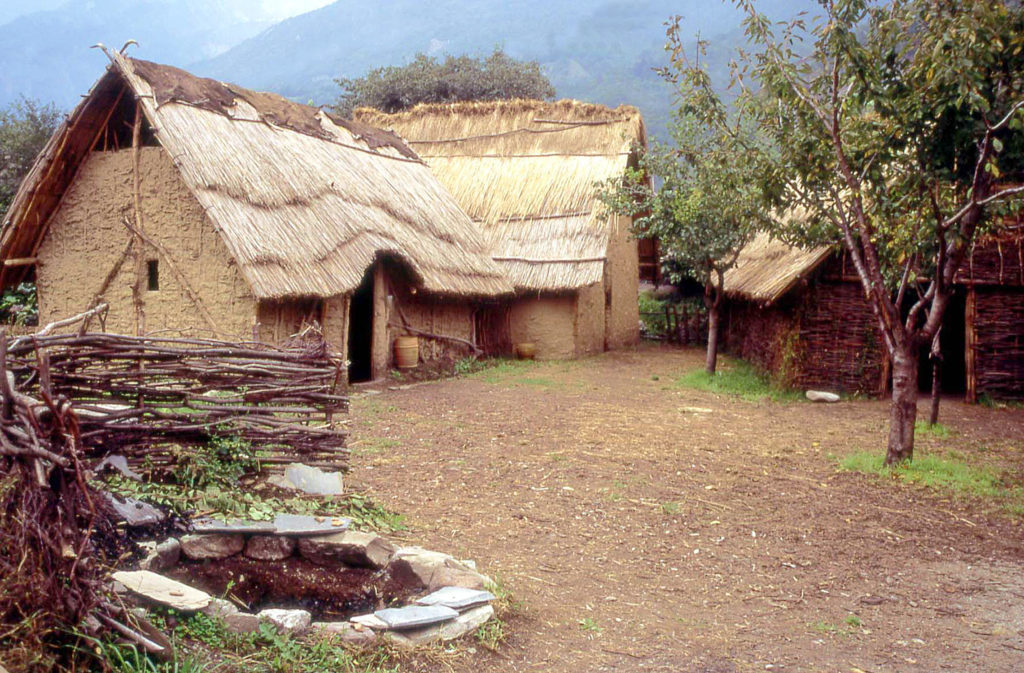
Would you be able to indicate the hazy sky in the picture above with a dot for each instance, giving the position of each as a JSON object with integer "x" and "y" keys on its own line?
{"x": 265, "y": 10}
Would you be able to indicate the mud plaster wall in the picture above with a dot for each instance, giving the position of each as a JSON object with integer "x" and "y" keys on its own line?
{"x": 622, "y": 274}
{"x": 86, "y": 237}
{"x": 279, "y": 320}
{"x": 547, "y": 321}
{"x": 437, "y": 315}
{"x": 336, "y": 322}
{"x": 590, "y": 320}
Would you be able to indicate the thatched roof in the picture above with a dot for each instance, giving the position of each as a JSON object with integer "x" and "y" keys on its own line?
{"x": 305, "y": 202}
{"x": 768, "y": 268}
{"x": 525, "y": 172}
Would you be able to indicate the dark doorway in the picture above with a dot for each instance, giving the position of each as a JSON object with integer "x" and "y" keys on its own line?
{"x": 360, "y": 331}
{"x": 953, "y": 369}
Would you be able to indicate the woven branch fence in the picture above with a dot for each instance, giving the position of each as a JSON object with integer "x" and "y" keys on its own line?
{"x": 145, "y": 397}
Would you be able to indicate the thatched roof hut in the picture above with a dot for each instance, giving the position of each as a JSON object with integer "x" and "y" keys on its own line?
{"x": 305, "y": 202}
{"x": 525, "y": 172}
{"x": 766, "y": 269}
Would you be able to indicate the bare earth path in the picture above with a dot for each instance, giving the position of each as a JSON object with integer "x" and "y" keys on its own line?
{"x": 650, "y": 527}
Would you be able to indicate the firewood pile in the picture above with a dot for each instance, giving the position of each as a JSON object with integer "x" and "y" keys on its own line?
{"x": 56, "y": 533}
{"x": 144, "y": 397}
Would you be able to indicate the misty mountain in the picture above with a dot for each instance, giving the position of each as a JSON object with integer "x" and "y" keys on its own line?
{"x": 602, "y": 51}
{"x": 45, "y": 54}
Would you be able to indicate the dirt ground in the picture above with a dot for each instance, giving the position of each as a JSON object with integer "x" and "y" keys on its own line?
{"x": 651, "y": 527}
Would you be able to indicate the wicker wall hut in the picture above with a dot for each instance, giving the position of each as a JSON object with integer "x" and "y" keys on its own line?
{"x": 801, "y": 316}
{"x": 187, "y": 203}
{"x": 525, "y": 172}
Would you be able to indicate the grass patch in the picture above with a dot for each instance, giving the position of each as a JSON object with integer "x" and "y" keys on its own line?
{"x": 949, "y": 473}
{"x": 206, "y": 645}
{"x": 373, "y": 445}
{"x": 925, "y": 429}
{"x": 739, "y": 379}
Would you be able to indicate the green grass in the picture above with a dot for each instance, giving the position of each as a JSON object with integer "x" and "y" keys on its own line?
{"x": 373, "y": 445}
{"x": 737, "y": 378}
{"x": 923, "y": 429}
{"x": 204, "y": 645}
{"x": 507, "y": 372}
{"x": 949, "y": 473}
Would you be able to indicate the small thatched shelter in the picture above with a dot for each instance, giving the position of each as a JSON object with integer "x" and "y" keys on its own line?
{"x": 186, "y": 202}
{"x": 525, "y": 171}
{"x": 802, "y": 316}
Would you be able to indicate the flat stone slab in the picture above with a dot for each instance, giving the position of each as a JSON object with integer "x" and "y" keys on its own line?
{"x": 305, "y": 524}
{"x": 413, "y": 616}
{"x": 371, "y": 621}
{"x": 465, "y": 623}
{"x": 134, "y": 512}
{"x": 312, "y": 480}
{"x": 456, "y": 598}
{"x": 235, "y": 526}
{"x": 163, "y": 590}
{"x": 283, "y": 524}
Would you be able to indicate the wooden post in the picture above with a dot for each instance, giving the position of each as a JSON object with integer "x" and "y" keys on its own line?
{"x": 379, "y": 359}
{"x": 970, "y": 340}
{"x": 137, "y": 300}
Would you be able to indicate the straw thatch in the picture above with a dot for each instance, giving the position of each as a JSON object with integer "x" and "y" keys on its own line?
{"x": 767, "y": 268}
{"x": 525, "y": 171}
{"x": 305, "y": 203}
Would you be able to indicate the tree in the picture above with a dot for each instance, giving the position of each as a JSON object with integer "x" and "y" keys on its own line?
{"x": 25, "y": 126}
{"x": 708, "y": 207}
{"x": 896, "y": 133}
{"x": 456, "y": 78}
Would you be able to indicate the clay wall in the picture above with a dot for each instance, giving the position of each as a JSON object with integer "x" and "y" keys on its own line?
{"x": 622, "y": 277}
{"x": 86, "y": 237}
{"x": 547, "y": 321}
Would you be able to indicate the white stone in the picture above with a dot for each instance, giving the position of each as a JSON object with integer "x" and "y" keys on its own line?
{"x": 287, "y": 621}
{"x": 821, "y": 396}
{"x": 163, "y": 590}
{"x": 219, "y": 608}
{"x": 299, "y": 477}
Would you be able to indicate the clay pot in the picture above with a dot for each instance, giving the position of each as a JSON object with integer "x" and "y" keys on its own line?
{"x": 526, "y": 350}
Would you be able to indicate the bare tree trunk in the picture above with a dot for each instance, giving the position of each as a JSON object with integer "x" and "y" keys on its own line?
{"x": 935, "y": 354}
{"x": 711, "y": 362}
{"x": 903, "y": 410}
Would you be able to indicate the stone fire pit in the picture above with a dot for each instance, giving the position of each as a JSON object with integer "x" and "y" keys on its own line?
{"x": 313, "y": 574}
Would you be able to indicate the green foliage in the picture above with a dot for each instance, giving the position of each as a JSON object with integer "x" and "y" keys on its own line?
{"x": 922, "y": 427}
{"x": 247, "y": 503}
{"x": 19, "y": 305}
{"x": 25, "y": 126}
{"x": 740, "y": 379}
{"x": 456, "y": 78}
{"x": 468, "y": 365}
{"x": 210, "y": 646}
{"x": 951, "y": 474}
{"x": 221, "y": 462}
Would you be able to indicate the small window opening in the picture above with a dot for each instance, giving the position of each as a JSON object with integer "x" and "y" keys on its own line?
{"x": 153, "y": 275}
